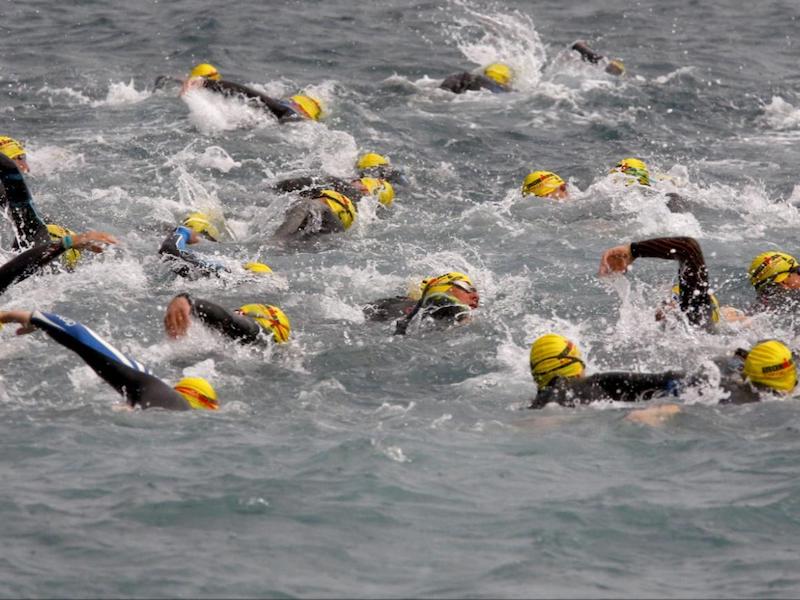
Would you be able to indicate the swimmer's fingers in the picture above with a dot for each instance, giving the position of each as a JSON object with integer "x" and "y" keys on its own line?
{"x": 178, "y": 317}
{"x": 615, "y": 260}
{"x": 191, "y": 84}
{"x": 91, "y": 240}
{"x": 23, "y": 317}
{"x": 26, "y": 329}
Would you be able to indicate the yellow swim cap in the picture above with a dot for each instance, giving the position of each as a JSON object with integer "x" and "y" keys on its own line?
{"x": 198, "y": 393}
{"x": 205, "y": 70}
{"x": 70, "y": 257}
{"x": 499, "y": 73}
{"x": 309, "y": 106}
{"x": 370, "y": 160}
{"x": 615, "y": 67}
{"x": 553, "y": 355}
{"x": 541, "y": 183}
{"x": 380, "y": 188}
{"x": 771, "y": 364}
{"x": 676, "y": 296}
{"x": 443, "y": 284}
{"x": 634, "y": 167}
{"x": 771, "y": 267}
{"x": 11, "y": 147}
{"x": 257, "y": 267}
{"x": 341, "y": 206}
{"x": 271, "y": 318}
{"x": 201, "y": 224}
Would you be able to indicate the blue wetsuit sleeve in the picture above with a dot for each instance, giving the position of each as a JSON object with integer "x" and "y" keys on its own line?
{"x": 28, "y": 263}
{"x": 17, "y": 204}
{"x": 129, "y": 377}
{"x": 175, "y": 247}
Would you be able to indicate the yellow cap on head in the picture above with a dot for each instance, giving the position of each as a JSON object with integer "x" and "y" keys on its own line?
{"x": 205, "y": 70}
{"x": 70, "y": 257}
{"x": 201, "y": 223}
{"x": 615, "y": 67}
{"x": 11, "y": 147}
{"x": 541, "y": 183}
{"x": 380, "y": 188}
{"x": 341, "y": 206}
{"x": 553, "y": 355}
{"x": 634, "y": 167}
{"x": 309, "y": 106}
{"x": 499, "y": 73}
{"x": 442, "y": 284}
{"x": 271, "y": 318}
{"x": 198, "y": 393}
{"x": 771, "y": 364}
{"x": 676, "y": 293}
{"x": 257, "y": 267}
{"x": 771, "y": 267}
{"x": 370, "y": 160}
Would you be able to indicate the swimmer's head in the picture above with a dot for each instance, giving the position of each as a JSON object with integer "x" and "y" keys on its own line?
{"x": 310, "y": 107}
{"x": 635, "y": 168}
{"x": 371, "y": 160}
{"x": 771, "y": 364}
{"x": 270, "y": 318}
{"x": 552, "y": 356}
{"x": 615, "y": 67}
{"x": 198, "y": 393}
{"x": 14, "y": 150}
{"x": 341, "y": 205}
{"x": 201, "y": 224}
{"x": 456, "y": 286}
{"x": 499, "y": 73}
{"x": 380, "y": 188}
{"x": 57, "y": 233}
{"x": 769, "y": 269}
{"x": 257, "y": 267}
{"x": 545, "y": 185}
{"x": 206, "y": 71}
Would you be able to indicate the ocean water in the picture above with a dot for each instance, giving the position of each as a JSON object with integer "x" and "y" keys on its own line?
{"x": 353, "y": 463}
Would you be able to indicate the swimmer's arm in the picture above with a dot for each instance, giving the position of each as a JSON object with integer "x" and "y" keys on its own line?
{"x": 296, "y": 184}
{"x": 174, "y": 246}
{"x": 631, "y": 387}
{"x": 459, "y": 83}
{"x": 234, "y": 326}
{"x": 587, "y": 53}
{"x": 16, "y": 200}
{"x": 228, "y": 88}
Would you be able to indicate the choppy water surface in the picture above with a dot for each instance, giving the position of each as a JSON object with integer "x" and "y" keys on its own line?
{"x": 354, "y": 463}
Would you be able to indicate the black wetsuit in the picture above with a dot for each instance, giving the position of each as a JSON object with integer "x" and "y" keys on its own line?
{"x": 17, "y": 204}
{"x": 238, "y": 327}
{"x": 310, "y": 187}
{"x": 281, "y": 109}
{"x": 389, "y": 309}
{"x": 28, "y": 263}
{"x": 130, "y": 378}
{"x": 184, "y": 262}
{"x": 694, "y": 298}
{"x": 776, "y": 299}
{"x": 620, "y": 386}
{"x": 458, "y": 83}
{"x": 306, "y": 218}
{"x": 589, "y": 55}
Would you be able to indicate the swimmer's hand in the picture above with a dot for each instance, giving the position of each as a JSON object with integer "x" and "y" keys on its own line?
{"x": 23, "y": 317}
{"x": 616, "y": 260}
{"x": 162, "y": 80}
{"x": 178, "y": 317}
{"x": 91, "y": 240}
{"x": 192, "y": 83}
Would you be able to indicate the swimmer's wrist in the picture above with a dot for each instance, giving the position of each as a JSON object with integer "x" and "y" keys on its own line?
{"x": 67, "y": 242}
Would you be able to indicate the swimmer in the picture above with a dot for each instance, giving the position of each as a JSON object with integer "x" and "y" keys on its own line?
{"x": 14, "y": 150}
{"x": 613, "y": 67}
{"x": 694, "y": 297}
{"x": 128, "y": 377}
{"x": 767, "y": 370}
{"x": 545, "y": 184}
{"x": 296, "y": 108}
{"x": 186, "y": 263}
{"x": 775, "y": 276}
{"x": 356, "y": 189}
{"x": 372, "y": 164}
{"x": 31, "y": 261}
{"x": 17, "y": 203}
{"x": 328, "y": 211}
{"x": 636, "y": 171}
{"x": 496, "y": 78}
{"x": 448, "y": 299}
{"x": 248, "y": 324}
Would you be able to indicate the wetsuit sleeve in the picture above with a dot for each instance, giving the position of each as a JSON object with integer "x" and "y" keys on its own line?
{"x": 296, "y": 184}
{"x": 28, "y": 263}
{"x": 458, "y": 83}
{"x": 387, "y": 309}
{"x": 129, "y": 377}
{"x": 237, "y": 327}
{"x": 17, "y": 204}
{"x": 587, "y": 53}
{"x": 174, "y": 247}
{"x": 694, "y": 299}
{"x": 620, "y": 386}
{"x": 227, "y": 88}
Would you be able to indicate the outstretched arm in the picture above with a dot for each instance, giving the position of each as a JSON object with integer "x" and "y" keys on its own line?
{"x": 183, "y": 307}
{"x": 228, "y": 88}
{"x": 175, "y": 246}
